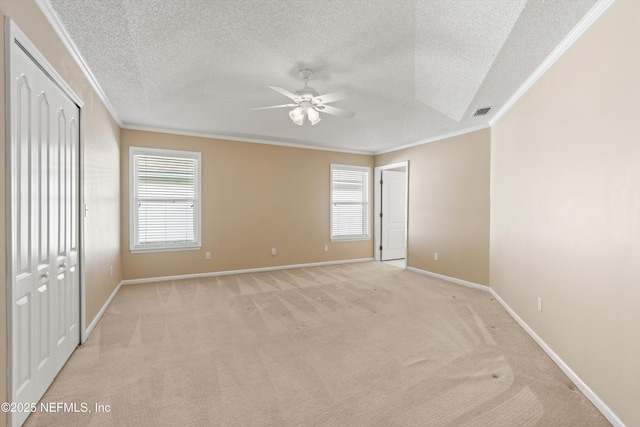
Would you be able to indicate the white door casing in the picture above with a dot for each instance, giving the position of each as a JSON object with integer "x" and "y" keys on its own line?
{"x": 393, "y": 219}
{"x": 43, "y": 201}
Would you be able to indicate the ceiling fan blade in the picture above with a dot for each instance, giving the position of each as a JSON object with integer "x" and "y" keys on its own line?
{"x": 329, "y": 97}
{"x": 336, "y": 111}
{"x": 286, "y": 93}
{"x": 274, "y": 106}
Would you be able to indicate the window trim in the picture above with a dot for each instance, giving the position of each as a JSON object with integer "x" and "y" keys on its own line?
{"x": 197, "y": 215}
{"x": 367, "y": 193}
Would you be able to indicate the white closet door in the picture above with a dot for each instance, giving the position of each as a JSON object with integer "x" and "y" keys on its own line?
{"x": 41, "y": 186}
{"x": 25, "y": 233}
{"x": 65, "y": 289}
{"x": 44, "y": 230}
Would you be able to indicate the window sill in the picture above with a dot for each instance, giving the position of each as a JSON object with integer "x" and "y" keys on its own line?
{"x": 349, "y": 239}
{"x": 165, "y": 249}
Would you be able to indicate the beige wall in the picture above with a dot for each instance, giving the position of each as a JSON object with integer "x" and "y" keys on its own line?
{"x": 448, "y": 205}
{"x": 255, "y": 197}
{"x": 101, "y": 175}
{"x": 565, "y": 220}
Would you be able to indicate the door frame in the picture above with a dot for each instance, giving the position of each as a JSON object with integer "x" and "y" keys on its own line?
{"x": 14, "y": 38}
{"x": 377, "y": 206}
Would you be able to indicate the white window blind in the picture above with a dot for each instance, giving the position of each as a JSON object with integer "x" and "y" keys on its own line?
{"x": 349, "y": 202}
{"x": 165, "y": 199}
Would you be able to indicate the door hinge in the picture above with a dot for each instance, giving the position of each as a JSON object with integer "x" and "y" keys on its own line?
{"x": 380, "y": 214}
{"x": 380, "y": 247}
{"x": 380, "y": 182}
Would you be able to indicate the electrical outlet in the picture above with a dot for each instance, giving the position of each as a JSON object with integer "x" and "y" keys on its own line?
{"x": 273, "y": 251}
{"x": 436, "y": 257}
{"x": 539, "y": 303}
{"x": 326, "y": 248}
{"x": 111, "y": 270}
{"x": 207, "y": 255}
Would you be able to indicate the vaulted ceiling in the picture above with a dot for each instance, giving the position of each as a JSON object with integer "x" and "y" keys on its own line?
{"x": 413, "y": 70}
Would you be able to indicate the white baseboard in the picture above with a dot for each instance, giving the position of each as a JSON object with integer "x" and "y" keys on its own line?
{"x": 589, "y": 394}
{"x": 96, "y": 319}
{"x": 248, "y": 270}
{"x": 450, "y": 279}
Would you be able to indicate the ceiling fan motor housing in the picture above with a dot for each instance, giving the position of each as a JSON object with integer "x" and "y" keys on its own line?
{"x": 307, "y": 93}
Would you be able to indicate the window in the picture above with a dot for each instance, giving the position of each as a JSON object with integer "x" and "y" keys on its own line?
{"x": 349, "y": 202}
{"x": 165, "y": 199}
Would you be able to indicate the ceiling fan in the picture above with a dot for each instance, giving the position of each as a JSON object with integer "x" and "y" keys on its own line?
{"x": 309, "y": 103}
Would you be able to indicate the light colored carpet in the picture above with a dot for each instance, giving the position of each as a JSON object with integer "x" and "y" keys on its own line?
{"x": 400, "y": 263}
{"x": 363, "y": 344}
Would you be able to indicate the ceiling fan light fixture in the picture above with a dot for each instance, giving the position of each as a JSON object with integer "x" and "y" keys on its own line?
{"x": 297, "y": 115}
{"x": 313, "y": 115}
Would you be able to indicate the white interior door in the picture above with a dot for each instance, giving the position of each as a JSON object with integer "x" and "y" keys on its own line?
{"x": 393, "y": 220}
{"x": 44, "y": 277}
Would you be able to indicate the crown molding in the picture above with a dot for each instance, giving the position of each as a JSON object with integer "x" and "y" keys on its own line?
{"x": 58, "y": 28}
{"x": 241, "y": 138}
{"x": 436, "y": 138}
{"x": 586, "y": 22}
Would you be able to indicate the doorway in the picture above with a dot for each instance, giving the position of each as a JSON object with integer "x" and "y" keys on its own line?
{"x": 391, "y": 209}
{"x": 43, "y": 200}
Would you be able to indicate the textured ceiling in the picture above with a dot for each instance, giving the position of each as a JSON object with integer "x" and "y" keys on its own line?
{"x": 413, "y": 69}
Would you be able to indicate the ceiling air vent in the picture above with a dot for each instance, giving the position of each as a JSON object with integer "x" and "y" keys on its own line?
{"x": 481, "y": 111}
